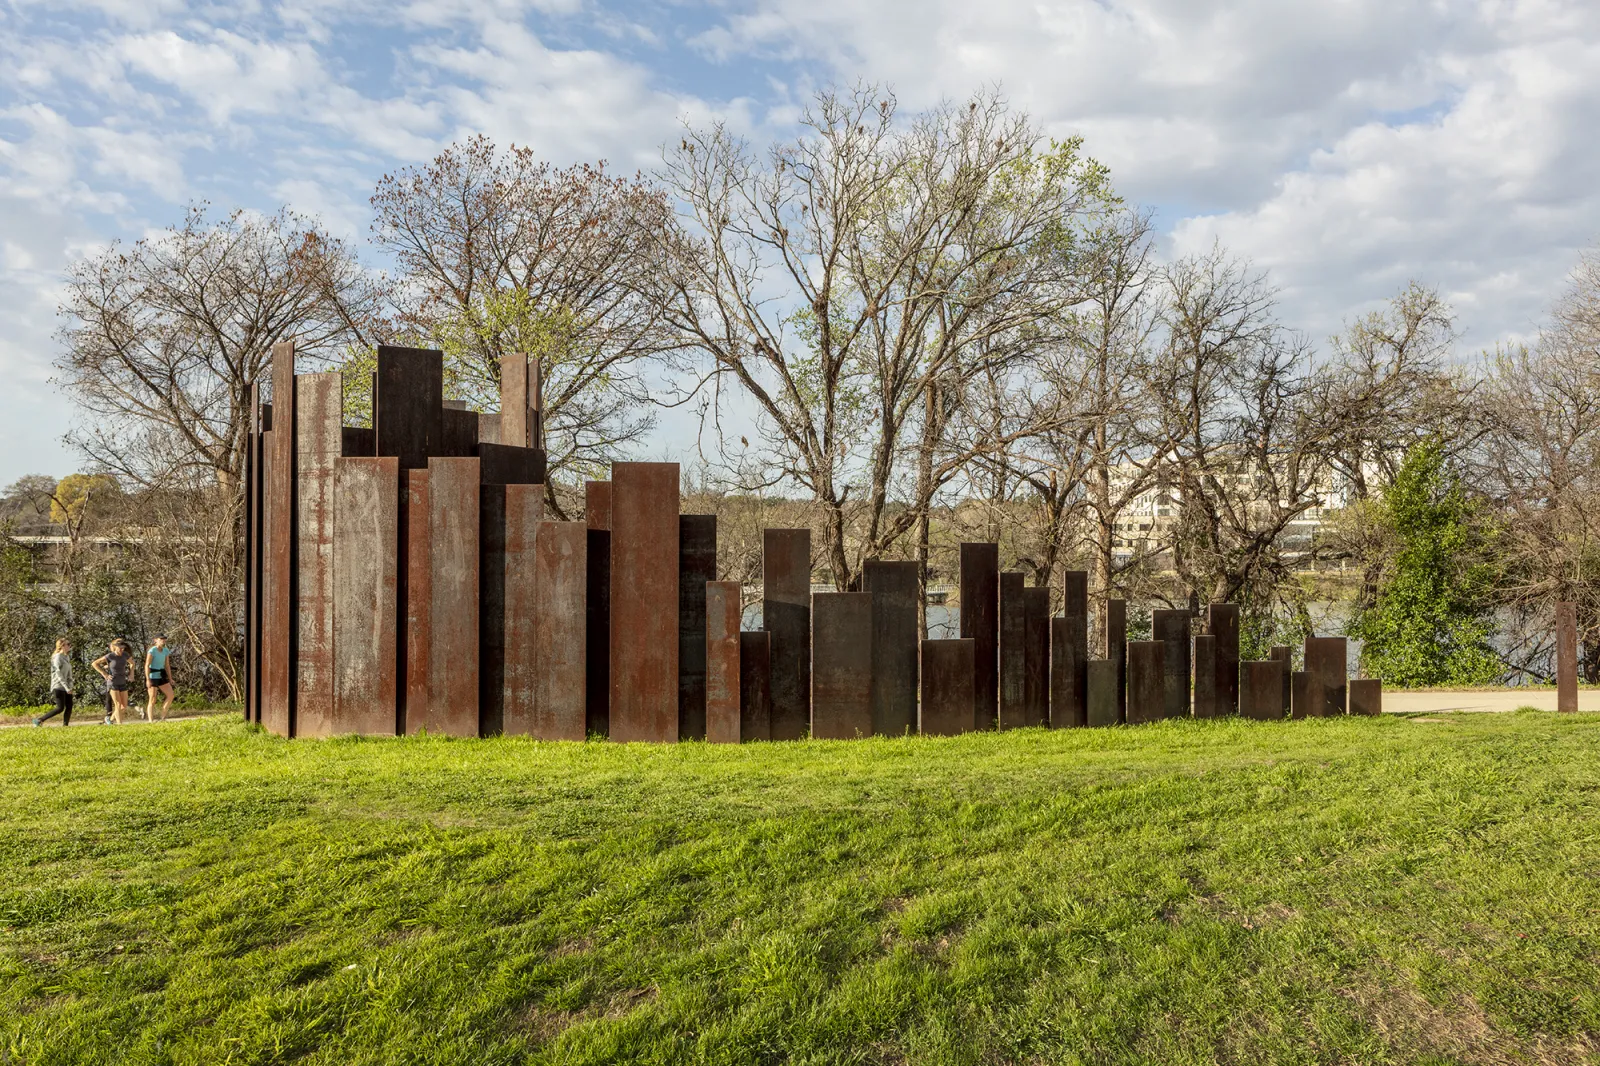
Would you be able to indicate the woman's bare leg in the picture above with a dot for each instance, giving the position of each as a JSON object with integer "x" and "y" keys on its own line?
{"x": 150, "y": 707}
{"x": 170, "y": 693}
{"x": 119, "y": 703}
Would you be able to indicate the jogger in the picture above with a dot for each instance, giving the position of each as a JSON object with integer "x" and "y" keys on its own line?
{"x": 60, "y": 684}
{"x": 158, "y": 678}
{"x": 115, "y": 668}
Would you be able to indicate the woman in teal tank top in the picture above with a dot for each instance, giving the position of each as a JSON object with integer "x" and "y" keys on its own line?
{"x": 158, "y": 678}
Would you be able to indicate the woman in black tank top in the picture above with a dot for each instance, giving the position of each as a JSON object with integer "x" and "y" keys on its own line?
{"x": 116, "y": 667}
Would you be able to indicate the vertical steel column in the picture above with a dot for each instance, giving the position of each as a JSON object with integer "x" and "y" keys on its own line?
{"x": 722, "y": 662}
{"x": 492, "y": 613}
{"x": 1101, "y": 681}
{"x": 252, "y": 561}
{"x": 1172, "y": 629}
{"x": 1567, "y": 658}
{"x": 644, "y": 602}
{"x": 1013, "y": 667}
{"x": 366, "y": 607}
{"x": 408, "y": 404}
{"x": 319, "y": 409}
{"x": 597, "y": 607}
{"x": 1261, "y": 690}
{"x": 893, "y": 586}
{"x": 1301, "y": 704}
{"x": 786, "y": 615}
{"x": 1069, "y": 671}
{"x": 454, "y": 501}
{"x": 1222, "y": 622}
{"x": 1327, "y": 664}
{"x": 560, "y": 551}
{"x": 278, "y": 578}
{"x": 417, "y": 602}
{"x": 514, "y": 401}
{"x": 1036, "y": 656}
{"x": 1114, "y": 623}
{"x": 1147, "y": 681}
{"x": 841, "y": 665}
{"x": 947, "y": 691}
{"x": 1285, "y": 654}
{"x": 1366, "y": 696}
{"x": 521, "y": 601}
{"x": 755, "y": 686}
{"x": 980, "y": 623}
{"x": 697, "y": 564}
{"x": 1207, "y": 699}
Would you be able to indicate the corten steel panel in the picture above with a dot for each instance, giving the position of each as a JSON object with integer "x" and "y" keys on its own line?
{"x": 597, "y": 630}
{"x": 1300, "y": 704}
{"x": 1069, "y": 678}
{"x": 644, "y": 602}
{"x": 319, "y": 400}
{"x": 252, "y": 557}
{"x": 408, "y": 404}
{"x": 1206, "y": 697}
{"x": 519, "y": 608}
{"x": 278, "y": 579}
{"x": 597, "y": 504}
{"x": 1036, "y": 656}
{"x": 1284, "y": 654}
{"x": 514, "y": 401}
{"x": 722, "y": 662}
{"x": 1101, "y": 675}
{"x": 1114, "y": 627}
{"x": 755, "y": 686}
{"x": 460, "y": 431}
{"x": 454, "y": 496}
{"x": 1567, "y": 658}
{"x": 1013, "y": 650}
{"x": 503, "y": 464}
{"x": 1328, "y": 666}
{"x": 980, "y": 621}
{"x": 948, "y": 669}
{"x": 893, "y": 586}
{"x": 536, "y": 402}
{"x": 697, "y": 564}
{"x": 366, "y": 608}
{"x": 492, "y": 611}
{"x": 1172, "y": 629}
{"x": 416, "y": 601}
{"x": 558, "y": 626}
{"x": 1222, "y": 622}
{"x": 1261, "y": 689}
{"x": 1147, "y": 685}
{"x": 786, "y": 615}
{"x": 841, "y": 665}
{"x": 1366, "y": 696}
{"x": 357, "y": 441}
{"x": 488, "y": 427}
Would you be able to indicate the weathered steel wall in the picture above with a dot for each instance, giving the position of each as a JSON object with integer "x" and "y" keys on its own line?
{"x": 1103, "y": 692}
{"x": 1036, "y": 656}
{"x": 366, "y": 606}
{"x": 319, "y": 407}
{"x": 597, "y": 512}
{"x": 561, "y": 553}
{"x": 1366, "y": 696}
{"x": 980, "y": 623}
{"x": 1069, "y": 654}
{"x": 1261, "y": 690}
{"x": 1285, "y": 654}
{"x": 1114, "y": 626}
{"x": 755, "y": 686}
{"x": 644, "y": 602}
{"x": 454, "y": 501}
{"x": 1206, "y": 697}
{"x": 841, "y": 665}
{"x": 1013, "y": 667}
{"x": 786, "y": 615}
{"x": 519, "y": 664}
{"x": 1147, "y": 682}
{"x": 1301, "y": 704}
{"x": 460, "y": 428}
{"x": 1172, "y": 629}
{"x": 893, "y": 586}
{"x": 1222, "y": 622}
{"x": 253, "y": 534}
{"x": 948, "y": 690}
{"x": 697, "y": 564}
{"x": 408, "y": 404}
{"x": 1567, "y": 658}
{"x": 416, "y": 598}
{"x": 357, "y": 442}
{"x": 1327, "y": 667}
{"x": 278, "y": 628}
{"x": 722, "y": 662}
{"x": 492, "y": 610}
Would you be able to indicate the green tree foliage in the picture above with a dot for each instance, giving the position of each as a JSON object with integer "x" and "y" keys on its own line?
{"x": 1431, "y": 621}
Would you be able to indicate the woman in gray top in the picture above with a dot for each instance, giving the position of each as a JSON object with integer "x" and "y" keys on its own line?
{"x": 115, "y": 668}
{"x": 60, "y": 683}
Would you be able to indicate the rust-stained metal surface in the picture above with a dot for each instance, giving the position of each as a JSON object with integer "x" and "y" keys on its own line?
{"x": 366, "y": 608}
{"x": 1284, "y": 654}
{"x": 416, "y": 570}
{"x": 1261, "y": 689}
{"x": 517, "y": 665}
{"x": 755, "y": 686}
{"x": 893, "y": 586}
{"x": 841, "y": 665}
{"x": 492, "y": 612}
{"x": 722, "y": 662}
{"x": 319, "y": 407}
{"x": 597, "y": 504}
{"x": 948, "y": 669}
{"x": 252, "y": 561}
{"x": 1206, "y": 697}
{"x": 597, "y": 629}
{"x": 644, "y": 602}
{"x": 786, "y": 616}
{"x": 697, "y": 564}
{"x": 1114, "y": 630}
{"x": 1327, "y": 665}
{"x": 1172, "y": 629}
{"x": 357, "y": 441}
{"x": 1069, "y": 653}
{"x": 408, "y": 404}
{"x": 1147, "y": 683}
{"x": 560, "y": 711}
{"x": 1567, "y": 658}
{"x": 1013, "y": 669}
{"x": 1036, "y": 656}
{"x": 504, "y": 464}
{"x": 1366, "y": 696}
{"x": 1101, "y": 681}
{"x": 460, "y": 429}
{"x": 454, "y": 501}
{"x": 1300, "y": 701}
{"x": 488, "y": 428}
{"x": 1222, "y": 622}
{"x": 980, "y": 622}
{"x": 278, "y": 628}
{"x": 514, "y": 401}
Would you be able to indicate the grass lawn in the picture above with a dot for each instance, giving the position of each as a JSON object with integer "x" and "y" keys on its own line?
{"x": 1367, "y": 890}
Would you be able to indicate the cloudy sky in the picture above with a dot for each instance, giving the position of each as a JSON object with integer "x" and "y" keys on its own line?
{"x": 1345, "y": 146}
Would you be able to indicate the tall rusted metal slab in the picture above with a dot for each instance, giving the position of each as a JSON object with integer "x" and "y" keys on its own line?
{"x": 1301, "y": 704}
{"x": 1567, "y": 658}
{"x": 697, "y": 564}
{"x": 786, "y": 615}
{"x": 980, "y": 622}
{"x": 1172, "y": 629}
{"x": 1114, "y": 627}
{"x": 1206, "y": 698}
{"x": 560, "y": 711}
{"x": 947, "y": 690}
{"x": 1147, "y": 681}
{"x": 841, "y": 665}
{"x": 416, "y": 601}
{"x": 1222, "y": 622}
{"x": 1366, "y": 696}
{"x": 1103, "y": 690}
{"x": 460, "y": 429}
{"x": 516, "y": 401}
{"x": 644, "y": 602}
{"x": 513, "y": 599}
{"x": 492, "y": 613}
{"x": 319, "y": 409}
{"x": 1261, "y": 690}
{"x": 357, "y": 442}
{"x": 1284, "y": 654}
{"x": 1069, "y": 652}
{"x": 408, "y": 404}
{"x": 1013, "y": 667}
{"x": 505, "y": 464}
{"x": 454, "y": 501}
{"x": 893, "y": 586}
{"x": 278, "y": 577}
{"x": 488, "y": 427}
{"x": 1036, "y": 655}
{"x": 252, "y": 560}
{"x": 1327, "y": 665}
{"x": 755, "y": 686}
{"x": 722, "y": 662}
{"x": 366, "y": 607}
{"x": 597, "y": 513}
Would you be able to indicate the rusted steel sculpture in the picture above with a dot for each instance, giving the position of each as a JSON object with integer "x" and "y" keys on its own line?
{"x": 403, "y": 578}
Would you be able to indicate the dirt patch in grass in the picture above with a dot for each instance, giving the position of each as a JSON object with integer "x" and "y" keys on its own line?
{"x": 1461, "y": 1031}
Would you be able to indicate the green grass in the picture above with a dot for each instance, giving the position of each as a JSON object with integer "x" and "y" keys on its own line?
{"x": 1384, "y": 890}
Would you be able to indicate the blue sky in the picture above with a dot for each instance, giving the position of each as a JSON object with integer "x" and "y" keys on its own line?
{"x": 1344, "y": 146}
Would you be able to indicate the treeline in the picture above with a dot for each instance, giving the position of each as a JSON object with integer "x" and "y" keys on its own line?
{"x": 903, "y": 331}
